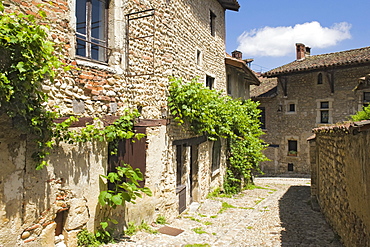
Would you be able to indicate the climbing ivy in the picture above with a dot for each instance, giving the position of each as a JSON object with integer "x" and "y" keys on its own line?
{"x": 362, "y": 115}
{"x": 27, "y": 60}
{"x": 207, "y": 111}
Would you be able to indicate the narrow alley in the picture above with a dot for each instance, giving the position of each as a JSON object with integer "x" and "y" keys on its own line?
{"x": 275, "y": 213}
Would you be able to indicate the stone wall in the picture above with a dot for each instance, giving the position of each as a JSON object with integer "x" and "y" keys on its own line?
{"x": 340, "y": 180}
{"x": 303, "y": 91}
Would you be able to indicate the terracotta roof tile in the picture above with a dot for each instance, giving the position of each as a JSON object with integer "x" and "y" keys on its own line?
{"x": 267, "y": 84}
{"x": 343, "y": 58}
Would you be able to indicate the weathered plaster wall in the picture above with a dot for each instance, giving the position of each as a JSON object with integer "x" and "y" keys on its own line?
{"x": 340, "y": 181}
{"x": 30, "y": 200}
{"x": 306, "y": 94}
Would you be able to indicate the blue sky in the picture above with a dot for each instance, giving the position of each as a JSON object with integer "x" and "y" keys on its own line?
{"x": 267, "y": 30}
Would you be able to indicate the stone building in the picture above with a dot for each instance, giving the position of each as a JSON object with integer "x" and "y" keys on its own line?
{"x": 122, "y": 52}
{"x": 239, "y": 76}
{"x": 307, "y": 93}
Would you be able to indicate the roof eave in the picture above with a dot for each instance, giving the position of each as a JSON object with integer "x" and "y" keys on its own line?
{"x": 230, "y": 4}
{"x": 241, "y": 65}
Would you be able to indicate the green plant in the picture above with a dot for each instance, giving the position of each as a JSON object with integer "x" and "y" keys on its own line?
{"x": 198, "y": 230}
{"x": 252, "y": 187}
{"x": 207, "y": 111}
{"x": 260, "y": 200}
{"x": 225, "y": 206}
{"x": 249, "y": 227}
{"x": 131, "y": 229}
{"x": 197, "y": 245}
{"x": 125, "y": 189}
{"x": 193, "y": 218}
{"x": 161, "y": 220}
{"x": 28, "y": 61}
{"x": 362, "y": 115}
{"x": 145, "y": 227}
{"x": 213, "y": 216}
{"x": 87, "y": 239}
{"x": 207, "y": 223}
{"x": 202, "y": 215}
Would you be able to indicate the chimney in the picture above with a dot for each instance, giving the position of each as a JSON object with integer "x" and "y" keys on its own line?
{"x": 302, "y": 51}
{"x": 237, "y": 54}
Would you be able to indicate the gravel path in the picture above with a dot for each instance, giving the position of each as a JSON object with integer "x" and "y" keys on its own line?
{"x": 277, "y": 213}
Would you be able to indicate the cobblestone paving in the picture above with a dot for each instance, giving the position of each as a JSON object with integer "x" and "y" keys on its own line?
{"x": 277, "y": 214}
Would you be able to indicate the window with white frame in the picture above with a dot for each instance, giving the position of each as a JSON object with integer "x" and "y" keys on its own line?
{"x": 324, "y": 111}
{"x": 291, "y": 106}
{"x": 91, "y": 29}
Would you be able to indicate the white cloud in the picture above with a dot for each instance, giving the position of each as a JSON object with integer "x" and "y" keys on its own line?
{"x": 280, "y": 41}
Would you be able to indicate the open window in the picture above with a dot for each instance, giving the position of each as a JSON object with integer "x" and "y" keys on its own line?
{"x": 292, "y": 148}
{"x": 210, "y": 81}
{"x": 91, "y": 29}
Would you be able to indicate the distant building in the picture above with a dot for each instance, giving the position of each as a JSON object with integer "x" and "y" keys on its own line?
{"x": 311, "y": 91}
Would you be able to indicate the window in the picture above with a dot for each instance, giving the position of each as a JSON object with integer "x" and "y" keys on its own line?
{"x": 319, "y": 78}
{"x": 210, "y": 82}
{"x": 216, "y": 153}
{"x": 366, "y": 100}
{"x": 199, "y": 58}
{"x": 290, "y": 167}
{"x": 262, "y": 117}
{"x": 292, "y": 147}
{"x": 212, "y": 23}
{"x": 290, "y": 106}
{"x": 324, "y": 112}
{"x": 91, "y": 29}
{"x": 179, "y": 164}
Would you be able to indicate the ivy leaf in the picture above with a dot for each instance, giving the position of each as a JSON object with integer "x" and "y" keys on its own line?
{"x": 117, "y": 199}
{"x": 20, "y": 67}
{"x": 104, "y": 224}
{"x": 102, "y": 196}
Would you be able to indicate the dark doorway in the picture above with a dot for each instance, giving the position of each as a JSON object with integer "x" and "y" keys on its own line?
{"x": 194, "y": 172}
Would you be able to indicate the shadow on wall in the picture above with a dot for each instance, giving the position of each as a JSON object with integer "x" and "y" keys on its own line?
{"x": 302, "y": 225}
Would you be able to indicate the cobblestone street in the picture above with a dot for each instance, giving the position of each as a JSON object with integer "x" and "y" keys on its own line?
{"x": 277, "y": 213}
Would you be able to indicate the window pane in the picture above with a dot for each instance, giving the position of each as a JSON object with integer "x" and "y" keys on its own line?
{"x": 81, "y": 16}
{"x": 319, "y": 79}
{"x": 98, "y": 52}
{"x": 292, "y": 107}
{"x": 324, "y": 105}
{"x": 292, "y": 146}
{"x": 81, "y": 46}
{"x": 366, "y": 97}
{"x": 98, "y": 20}
{"x": 324, "y": 116}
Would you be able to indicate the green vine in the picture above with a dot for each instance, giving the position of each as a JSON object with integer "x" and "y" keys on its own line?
{"x": 27, "y": 60}
{"x": 125, "y": 188}
{"x": 207, "y": 111}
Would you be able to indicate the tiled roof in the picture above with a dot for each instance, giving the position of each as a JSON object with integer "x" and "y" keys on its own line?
{"x": 343, "y": 58}
{"x": 242, "y": 65}
{"x": 230, "y": 4}
{"x": 267, "y": 87}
